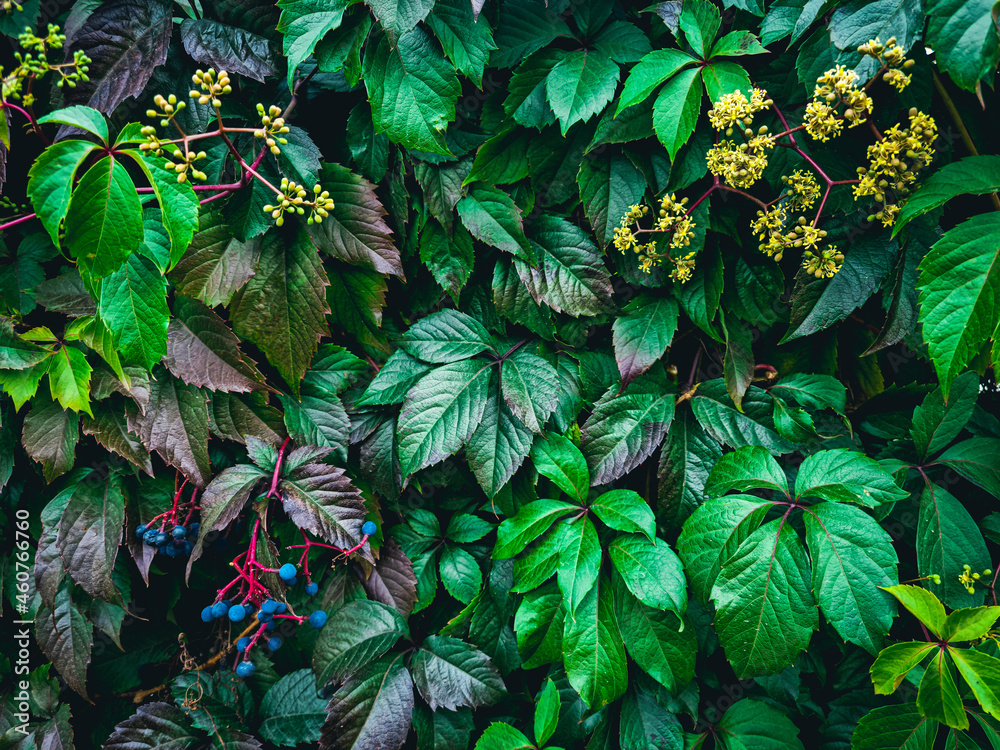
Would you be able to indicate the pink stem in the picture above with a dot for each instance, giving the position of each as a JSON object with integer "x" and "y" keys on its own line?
{"x": 273, "y": 491}
{"x": 15, "y": 222}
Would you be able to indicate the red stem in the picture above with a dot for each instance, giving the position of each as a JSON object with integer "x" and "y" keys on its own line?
{"x": 273, "y": 491}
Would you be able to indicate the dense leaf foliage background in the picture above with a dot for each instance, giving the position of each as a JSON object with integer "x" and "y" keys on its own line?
{"x": 541, "y": 491}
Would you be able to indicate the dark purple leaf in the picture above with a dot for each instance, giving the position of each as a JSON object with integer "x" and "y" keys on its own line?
{"x": 392, "y": 581}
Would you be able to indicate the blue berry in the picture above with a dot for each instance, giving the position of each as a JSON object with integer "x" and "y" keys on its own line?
{"x": 220, "y": 608}
{"x": 263, "y": 616}
{"x": 169, "y": 550}
{"x": 206, "y": 615}
{"x": 269, "y": 628}
{"x": 369, "y": 528}
{"x": 161, "y": 539}
{"x": 269, "y": 607}
{"x": 193, "y": 529}
{"x": 317, "y": 619}
{"x": 312, "y": 588}
{"x": 281, "y": 608}
{"x": 287, "y": 572}
{"x": 245, "y": 668}
{"x": 188, "y": 547}
{"x": 291, "y": 581}
{"x": 237, "y": 612}
{"x": 150, "y": 537}
{"x": 140, "y": 530}
{"x": 179, "y": 532}
{"x": 274, "y": 643}
{"x": 242, "y": 643}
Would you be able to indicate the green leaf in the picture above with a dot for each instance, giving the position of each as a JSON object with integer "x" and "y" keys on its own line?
{"x": 752, "y": 724}
{"x": 460, "y": 574}
{"x": 320, "y": 421}
{"x": 609, "y": 187}
{"x": 175, "y": 425}
{"x": 646, "y": 723}
{"x": 652, "y": 572}
{"x": 964, "y": 38}
{"x": 394, "y": 380}
{"x": 365, "y": 630}
{"x": 442, "y": 187}
{"x": 215, "y": 265}
{"x": 291, "y": 712}
{"x": 539, "y": 624}
{"x": 441, "y": 412}
{"x": 982, "y": 673}
{"x": 717, "y": 414}
{"x": 662, "y": 646}
{"x": 134, "y": 308}
{"x": 466, "y": 40}
{"x": 90, "y": 531}
{"x": 560, "y": 460}
{"x": 700, "y": 21}
{"x": 104, "y": 221}
{"x": 531, "y": 521}
{"x": 530, "y": 388}
{"x": 738, "y": 363}
{"x": 492, "y": 217}
{"x": 721, "y": 78}
{"x": 650, "y": 72}
{"x": 546, "y": 712}
{"x": 969, "y": 624}
{"x": 978, "y": 460}
{"x": 153, "y": 726}
{"x": 625, "y": 510}
{"x": 593, "y": 652}
{"x": 333, "y": 370}
{"x": 974, "y": 175}
{"x": 737, "y": 43}
{"x": 624, "y": 429}
{"x": 442, "y": 729}
{"x": 676, "y": 110}
{"x": 845, "y": 476}
{"x": 15, "y": 352}
{"x": 900, "y": 727}
{"x": 85, "y": 118}
{"x": 372, "y": 708}
{"x": 581, "y": 85}
{"x": 764, "y": 602}
{"x": 412, "y": 88}
{"x": 66, "y": 637}
{"x": 895, "y": 662}
{"x": 948, "y": 539}
{"x": 449, "y": 673}
{"x": 579, "y": 561}
{"x": 856, "y": 21}
{"x": 177, "y": 200}
{"x": 283, "y": 308}
{"x": 819, "y": 303}
{"x": 500, "y": 736}
{"x": 501, "y": 160}
{"x": 959, "y": 287}
{"x": 922, "y": 604}
{"x": 449, "y": 259}
{"x": 355, "y": 231}
{"x": 526, "y": 101}
{"x": 447, "y": 336}
{"x": 852, "y": 561}
{"x": 50, "y": 436}
{"x": 399, "y": 16}
{"x": 641, "y": 336}
{"x": 499, "y": 444}
{"x": 686, "y": 458}
{"x": 747, "y": 468}
{"x": 812, "y": 391}
{"x": 623, "y": 42}
{"x": 69, "y": 379}
{"x": 936, "y": 422}
{"x": 525, "y": 27}
{"x": 938, "y": 697}
{"x": 50, "y": 182}
{"x": 303, "y": 23}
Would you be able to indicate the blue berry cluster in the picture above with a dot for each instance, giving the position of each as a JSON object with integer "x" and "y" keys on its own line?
{"x": 175, "y": 542}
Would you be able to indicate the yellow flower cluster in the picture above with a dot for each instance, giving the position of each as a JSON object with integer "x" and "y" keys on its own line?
{"x": 274, "y": 128}
{"x": 736, "y": 109}
{"x": 823, "y": 263}
{"x": 740, "y": 165}
{"x": 674, "y": 219}
{"x": 969, "y": 579}
{"x": 894, "y": 163}
{"x": 292, "y": 199}
{"x": 212, "y": 86}
{"x": 892, "y": 57}
{"x": 837, "y": 86}
{"x": 803, "y": 190}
